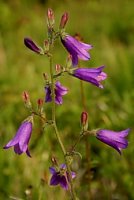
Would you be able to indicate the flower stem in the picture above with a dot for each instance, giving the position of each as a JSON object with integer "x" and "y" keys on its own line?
{"x": 73, "y": 195}
{"x": 87, "y": 145}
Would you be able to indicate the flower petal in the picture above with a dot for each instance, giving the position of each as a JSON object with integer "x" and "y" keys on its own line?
{"x": 55, "y": 180}
{"x": 52, "y": 170}
{"x": 17, "y": 149}
{"x": 48, "y": 97}
{"x": 124, "y": 133}
{"x": 25, "y": 136}
{"x": 61, "y": 89}
{"x": 28, "y": 153}
{"x": 63, "y": 182}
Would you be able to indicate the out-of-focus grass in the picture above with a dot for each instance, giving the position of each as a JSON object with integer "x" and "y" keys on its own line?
{"x": 109, "y": 27}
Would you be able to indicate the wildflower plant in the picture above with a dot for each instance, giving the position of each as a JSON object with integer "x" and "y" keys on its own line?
{"x": 62, "y": 174}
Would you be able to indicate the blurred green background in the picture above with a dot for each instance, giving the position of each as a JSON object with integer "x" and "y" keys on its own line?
{"x": 109, "y": 27}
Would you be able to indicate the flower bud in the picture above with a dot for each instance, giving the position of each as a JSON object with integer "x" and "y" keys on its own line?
{"x": 50, "y": 17}
{"x": 57, "y": 68}
{"x": 46, "y": 45}
{"x": 45, "y": 75}
{"x": 40, "y": 103}
{"x": 31, "y": 45}
{"x": 64, "y": 20}
{"x": 25, "y": 96}
{"x": 84, "y": 121}
{"x": 54, "y": 161}
{"x": 26, "y": 99}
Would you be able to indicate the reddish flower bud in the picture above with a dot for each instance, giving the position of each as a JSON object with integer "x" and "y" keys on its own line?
{"x": 40, "y": 102}
{"x": 46, "y": 45}
{"x": 84, "y": 121}
{"x": 26, "y": 99}
{"x": 25, "y": 96}
{"x": 57, "y": 68}
{"x": 50, "y": 17}
{"x": 64, "y": 20}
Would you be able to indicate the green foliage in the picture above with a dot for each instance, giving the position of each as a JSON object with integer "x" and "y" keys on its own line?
{"x": 109, "y": 26}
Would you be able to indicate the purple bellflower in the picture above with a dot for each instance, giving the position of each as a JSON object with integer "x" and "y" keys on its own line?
{"x": 60, "y": 176}
{"x": 92, "y": 75}
{"x": 31, "y": 45}
{"x": 21, "y": 139}
{"x": 59, "y": 92}
{"x": 76, "y": 49}
{"x": 114, "y": 139}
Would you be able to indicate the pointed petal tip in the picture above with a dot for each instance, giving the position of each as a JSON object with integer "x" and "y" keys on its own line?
{"x": 5, "y": 147}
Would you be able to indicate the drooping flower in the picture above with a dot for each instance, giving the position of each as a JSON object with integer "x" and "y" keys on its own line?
{"x": 60, "y": 176}
{"x": 59, "y": 92}
{"x": 92, "y": 75}
{"x": 76, "y": 48}
{"x": 31, "y": 45}
{"x": 114, "y": 139}
{"x": 21, "y": 139}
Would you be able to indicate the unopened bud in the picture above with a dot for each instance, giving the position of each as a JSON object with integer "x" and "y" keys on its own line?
{"x": 57, "y": 68}
{"x": 26, "y": 99}
{"x": 33, "y": 46}
{"x": 84, "y": 121}
{"x": 45, "y": 75}
{"x": 54, "y": 161}
{"x": 50, "y": 17}
{"x": 46, "y": 45}
{"x": 64, "y": 20}
{"x": 25, "y": 96}
{"x": 40, "y": 103}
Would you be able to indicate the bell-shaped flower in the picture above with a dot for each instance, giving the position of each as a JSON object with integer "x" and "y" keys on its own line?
{"x": 32, "y": 46}
{"x": 92, "y": 75}
{"x": 114, "y": 139}
{"x": 60, "y": 176}
{"x": 76, "y": 48}
{"x": 59, "y": 92}
{"x": 21, "y": 139}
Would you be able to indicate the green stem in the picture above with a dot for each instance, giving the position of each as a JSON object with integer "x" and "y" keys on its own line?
{"x": 77, "y": 141}
{"x": 57, "y": 132}
{"x": 87, "y": 145}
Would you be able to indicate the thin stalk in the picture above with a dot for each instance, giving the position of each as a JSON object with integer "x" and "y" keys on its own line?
{"x": 87, "y": 145}
{"x": 57, "y": 132}
{"x": 77, "y": 141}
